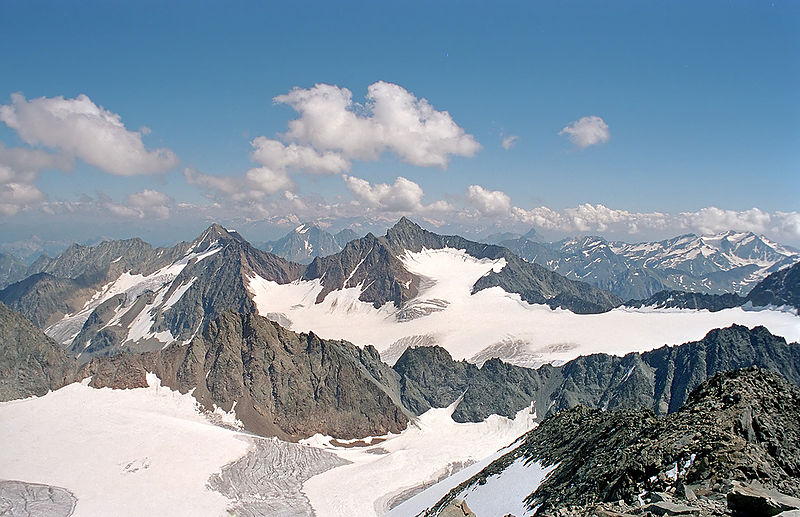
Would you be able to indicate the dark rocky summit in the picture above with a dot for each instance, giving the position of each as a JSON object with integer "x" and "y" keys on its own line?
{"x": 374, "y": 262}
{"x": 732, "y": 449}
{"x": 31, "y": 364}
{"x": 779, "y": 288}
{"x": 279, "y": 383}
{"x": 659, "y": 380}
{"x": 684, "y": 300}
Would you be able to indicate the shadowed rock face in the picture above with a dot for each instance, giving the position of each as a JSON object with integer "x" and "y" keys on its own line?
{"x": 739, "y": 426}
{"x": 780, "y": 288}
{"x": 374, "y": 263}
{"x": 282, "y": 383}
{"x": 659, "y": 380}
{"x": 31, "y": 364}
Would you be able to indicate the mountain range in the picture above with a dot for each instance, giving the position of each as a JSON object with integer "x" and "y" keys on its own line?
{"x": 128, "y": 296}
{"x": 307, "y": 242}
{"x": 729, "y": 262}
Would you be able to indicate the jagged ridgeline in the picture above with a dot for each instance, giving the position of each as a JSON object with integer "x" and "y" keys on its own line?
{"x": 729, "y": 262}
{"x": 281, "y": 383}
{"x": 735, "y": 429}
{"x": 128, "y": 296}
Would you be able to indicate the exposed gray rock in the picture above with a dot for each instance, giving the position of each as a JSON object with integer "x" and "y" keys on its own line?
{"x": 31, "y": 364}
{"x": 308, "y": 241}
{"x": 12, "y": 269}
{"x": 731, "y": 262}
{"x": 281, "y": 383}
{"x": 779, "y": 288}
{"x": 754, "y": 499}
{"x": 659, "y": 380}
{"x": 684, "y": 300}
{"x": 606, "y": 457}
{"x": 21, "y": 499}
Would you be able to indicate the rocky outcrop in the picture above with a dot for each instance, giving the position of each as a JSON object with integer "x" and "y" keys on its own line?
{"x": 779, "y": 289}
{"x": 684, "y": 300}
{"x": 659, "y": 380}
{"x": 31, "y": 364}
{"x": 11, "y": 269}
{"x": 279, "y": 383}
{"x": 738, "y": 429}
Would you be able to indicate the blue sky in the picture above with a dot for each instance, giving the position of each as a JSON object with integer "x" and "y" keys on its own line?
{"x": 691, "y": 117}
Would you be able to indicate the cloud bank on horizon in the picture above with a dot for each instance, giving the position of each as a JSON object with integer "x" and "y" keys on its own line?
{"x": 330, "y": 133}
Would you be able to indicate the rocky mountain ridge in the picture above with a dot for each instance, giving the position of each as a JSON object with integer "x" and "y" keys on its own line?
{"x": 736, "y": 438}
{"x": 127, "y": 296}
{"x": 729, "y": 262}
{"x": 778, "y": 289}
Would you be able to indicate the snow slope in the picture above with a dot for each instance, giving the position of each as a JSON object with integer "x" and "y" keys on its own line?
{"x": 120, "y": 452}
{"x": 491, "y": 322}
{"x": 432, "y": 447}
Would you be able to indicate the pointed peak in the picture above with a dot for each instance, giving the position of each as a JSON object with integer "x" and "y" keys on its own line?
{"x": 406, "y": 223}
{"x": 213, "y": 234}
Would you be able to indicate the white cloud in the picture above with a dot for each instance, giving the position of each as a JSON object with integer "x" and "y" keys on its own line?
{"x": 599, "y": 218}
{"x": 224, "y": 184}
{"x": 147, "y": 204}
{"x": 392, "y": 120}
{"x": 402, "y": 196}
{"x": 16, "y": 196}
{"x": 587, "y": 131}
{"x": 81, "y": 128}
{"x": 280, "y": 157}
{"x": 489, "y": 202}
{"x": 267, "y": 180}
{"x": 509, "y": 141}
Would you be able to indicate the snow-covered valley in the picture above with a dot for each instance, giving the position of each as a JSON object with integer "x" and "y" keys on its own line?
{"x": 151, "y": 451}
{"x": 490, "y": 322}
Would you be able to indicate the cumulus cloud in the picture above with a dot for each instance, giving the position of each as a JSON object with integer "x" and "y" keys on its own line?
{"x": 489, "y": 202}
{"x": 149, "y": 204}
{"x": 281, "y": 157}
{"x": 19, "y": 169}
{"x": 257, "y": 183}
{"x": 509, "y": 141}
{"x": 267, "y": 180}
{"x": 81, "y": 128}
{"x": 402, "y": 196}
{"x": 392, "y": 119}
{"x": 587, "y": 131}
{"x": 599, "y": 218}
{"x": 16, "y": 196}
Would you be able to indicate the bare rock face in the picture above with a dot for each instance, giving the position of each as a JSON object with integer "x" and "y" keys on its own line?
{"x": 278, "y": 382}
{"x": 659, "y": 380}
{"x": 733, "y": 447}
{"x": 31, "y": 364}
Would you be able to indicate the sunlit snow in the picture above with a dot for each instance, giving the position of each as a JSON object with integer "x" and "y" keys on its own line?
{"x": 120, "y": 452}
{"x": 427, "y": 450}
{"x": 491, "y": 322}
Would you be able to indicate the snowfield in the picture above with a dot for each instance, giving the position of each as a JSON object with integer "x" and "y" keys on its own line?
{"x": 433, "y": 447}
{"x": 134, "y": 452}
{"x": 491, "y": 322}
{"x": 151, "y": 451}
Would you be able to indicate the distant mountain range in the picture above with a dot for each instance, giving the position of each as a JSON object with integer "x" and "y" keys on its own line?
{"x": 308, "y": 241}
{"x": 730, "y": 262}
